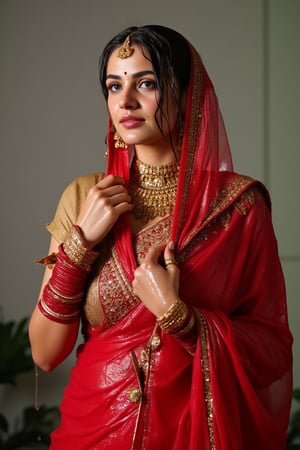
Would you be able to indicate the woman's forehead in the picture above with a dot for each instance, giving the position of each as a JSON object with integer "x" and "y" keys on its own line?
{"x": 138, "y": 61}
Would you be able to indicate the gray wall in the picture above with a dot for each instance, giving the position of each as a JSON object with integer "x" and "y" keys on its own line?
{"x": 53, "y": 122}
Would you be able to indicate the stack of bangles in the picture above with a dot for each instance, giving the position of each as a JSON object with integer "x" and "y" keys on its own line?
{"x": 179, "y": 320}
{"x": 62, "y": 295}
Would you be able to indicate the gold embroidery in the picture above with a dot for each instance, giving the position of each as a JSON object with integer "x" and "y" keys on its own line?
{"x": 232, "y": 196}
{"x": 228, "y": 195}
{"x": 206, "y": 380}
{"x": 225, "y": 219}
{"x": 156, "y": 235}
{"x": 242, "y": 205}
{"x": 247, "y": 199}
{"x": 115, "y": 290}
{"x": 92, "y": 307}
{"x": 197, "y": 93}
{"x": 143, "y": 370}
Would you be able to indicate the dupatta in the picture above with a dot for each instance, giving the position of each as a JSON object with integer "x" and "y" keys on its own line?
{"x": 205, "y": 153}
{"x": 240, "y": 389}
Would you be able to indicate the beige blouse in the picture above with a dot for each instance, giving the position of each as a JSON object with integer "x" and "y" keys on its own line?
{"x": 109, "y": 295}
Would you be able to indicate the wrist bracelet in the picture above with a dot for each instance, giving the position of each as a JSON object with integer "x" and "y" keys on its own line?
{"x": 174, "y": 318}
{"x": 62, "y": 295}
{"x": 186, "y": 328}
{"x": 77, "y": 250}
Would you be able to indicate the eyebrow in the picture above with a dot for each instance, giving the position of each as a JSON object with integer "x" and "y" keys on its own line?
{"x": 134, "y": 75}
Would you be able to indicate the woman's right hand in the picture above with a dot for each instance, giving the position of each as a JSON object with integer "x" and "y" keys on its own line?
{"x": 104, "y": 204}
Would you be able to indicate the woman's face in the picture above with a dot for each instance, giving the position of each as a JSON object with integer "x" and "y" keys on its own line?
{"x": 133, "y": 99}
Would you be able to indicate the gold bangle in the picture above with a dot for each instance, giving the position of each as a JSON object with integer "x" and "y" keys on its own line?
{"x": 174, "y": 318}
{"x": 65, "y": 298}
{"x": 68, "y": 317}
{"x": 77, "y": 250}
{"x": 186, "y": 328}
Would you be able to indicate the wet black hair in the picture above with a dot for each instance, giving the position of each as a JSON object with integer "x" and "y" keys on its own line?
{"x": 170, "y": 57}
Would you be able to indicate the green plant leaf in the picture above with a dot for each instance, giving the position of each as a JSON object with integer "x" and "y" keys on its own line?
{"x": 15, "y": 355}
{"x": 294, "y": 427}
{"x": 35, "y": 430}
{"x": 296, "y": 394}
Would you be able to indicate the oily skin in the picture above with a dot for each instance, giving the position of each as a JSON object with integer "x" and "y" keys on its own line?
{"x": 133, "y": 93}
{"x": 156, "y": 286}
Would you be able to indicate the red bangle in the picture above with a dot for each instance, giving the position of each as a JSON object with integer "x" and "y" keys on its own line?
{"x": 62, "y": 295}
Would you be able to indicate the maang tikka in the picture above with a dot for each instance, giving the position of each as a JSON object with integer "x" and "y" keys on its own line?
{"x": 126, "y": 50}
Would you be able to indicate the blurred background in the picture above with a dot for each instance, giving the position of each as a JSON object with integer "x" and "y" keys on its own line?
{"x": 53, "y": 125}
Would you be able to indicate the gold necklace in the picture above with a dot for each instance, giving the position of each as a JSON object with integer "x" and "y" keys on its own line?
{"x": 153, "y": 189}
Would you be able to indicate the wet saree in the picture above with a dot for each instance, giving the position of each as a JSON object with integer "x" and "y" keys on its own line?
{"x": 233, "y": 391}
{"x": 134, "y": 387}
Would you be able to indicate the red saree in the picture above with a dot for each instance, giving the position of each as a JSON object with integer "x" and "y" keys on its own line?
{"x": 134, "y": 387}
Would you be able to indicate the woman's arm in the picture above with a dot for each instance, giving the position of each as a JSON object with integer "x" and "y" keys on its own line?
{"x": 51, "y": 342}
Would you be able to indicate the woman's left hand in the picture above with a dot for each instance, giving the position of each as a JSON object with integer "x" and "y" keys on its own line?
{"x": 156, "y": 286}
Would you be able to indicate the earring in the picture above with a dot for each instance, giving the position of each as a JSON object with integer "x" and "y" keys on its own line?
{"x": 119, "y": 143}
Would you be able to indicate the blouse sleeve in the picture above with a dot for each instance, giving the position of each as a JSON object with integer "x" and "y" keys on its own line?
{"x": 70, "y": 205}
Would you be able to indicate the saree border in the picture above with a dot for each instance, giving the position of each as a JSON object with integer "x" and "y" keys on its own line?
{"x": 191, "y": 142}
{"x": 208, "y": 398}
{"x": 238, "y": 193}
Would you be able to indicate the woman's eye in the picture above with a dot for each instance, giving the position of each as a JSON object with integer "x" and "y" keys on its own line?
{"x": 148, "y": 84}
{"x": 113, "y": 87}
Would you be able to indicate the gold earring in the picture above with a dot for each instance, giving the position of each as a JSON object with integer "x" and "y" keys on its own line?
{"x": 119, "y": 143}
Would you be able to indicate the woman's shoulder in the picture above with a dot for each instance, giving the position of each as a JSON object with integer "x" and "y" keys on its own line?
{"x": 236, "y": 185}
{"x": 84, "y": 183}
{"x": 77, "y": 190}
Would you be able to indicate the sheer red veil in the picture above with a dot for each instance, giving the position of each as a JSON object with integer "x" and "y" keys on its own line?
{"x": 245, "y": 334}
{"x": 205, "y": 153}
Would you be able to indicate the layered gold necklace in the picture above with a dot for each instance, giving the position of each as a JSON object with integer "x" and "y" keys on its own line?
{"x": 153, "y": 189}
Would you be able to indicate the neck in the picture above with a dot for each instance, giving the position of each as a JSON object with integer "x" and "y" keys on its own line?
{"x": 153, "y": 189}
{"x": 156, "y": 155}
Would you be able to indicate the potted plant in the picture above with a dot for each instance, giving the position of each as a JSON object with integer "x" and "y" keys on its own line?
{"x": 36, "y": 424}
{"x": 294, "y": 428}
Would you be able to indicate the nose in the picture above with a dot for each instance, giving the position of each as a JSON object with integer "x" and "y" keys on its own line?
{"x": 128, "y": 99}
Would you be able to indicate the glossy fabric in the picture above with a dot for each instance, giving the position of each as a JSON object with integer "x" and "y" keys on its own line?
{"x": 234, "y": 392}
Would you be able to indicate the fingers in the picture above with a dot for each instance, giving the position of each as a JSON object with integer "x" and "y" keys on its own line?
{"x": 110, "y": 180}
{"x": 104, "y": 204}
{"x": 112, "y": 188}
{"x": 166, "y": 252}
{"x": 156, "y": 285}
{"x": 169, "y": 257}
{"x": 154, "y": 254}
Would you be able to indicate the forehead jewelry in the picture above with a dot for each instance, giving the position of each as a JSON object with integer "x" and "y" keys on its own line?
{"x": 126, "y": 50}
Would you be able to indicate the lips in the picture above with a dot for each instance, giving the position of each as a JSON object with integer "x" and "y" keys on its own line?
{"x": 131, "y": 121}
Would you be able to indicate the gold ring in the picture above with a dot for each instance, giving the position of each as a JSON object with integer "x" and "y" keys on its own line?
{"x": 170, "y": 261}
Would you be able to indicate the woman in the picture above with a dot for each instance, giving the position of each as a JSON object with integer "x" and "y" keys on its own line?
{"x": 170, "y": 260}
